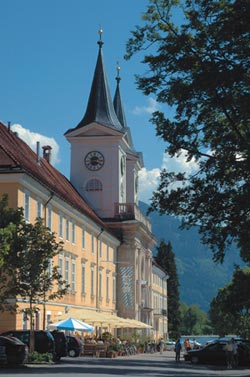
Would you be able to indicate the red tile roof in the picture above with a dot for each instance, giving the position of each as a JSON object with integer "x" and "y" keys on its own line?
{"x": 16, "y": 155}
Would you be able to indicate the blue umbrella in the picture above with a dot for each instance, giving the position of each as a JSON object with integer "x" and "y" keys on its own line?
{"x": 72, "y": 324}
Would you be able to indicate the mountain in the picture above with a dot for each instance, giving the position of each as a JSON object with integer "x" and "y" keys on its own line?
{"x": 199, "y": 277}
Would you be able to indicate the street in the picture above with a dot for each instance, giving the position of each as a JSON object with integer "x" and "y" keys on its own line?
{"x": 140, "y": 365}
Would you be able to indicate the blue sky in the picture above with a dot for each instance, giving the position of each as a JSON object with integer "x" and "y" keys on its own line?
{"x": 48, "y": 54}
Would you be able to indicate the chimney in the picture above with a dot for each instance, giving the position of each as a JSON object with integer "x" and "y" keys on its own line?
{"x": 38, "y": 152}
{"x": 47, "y": 152}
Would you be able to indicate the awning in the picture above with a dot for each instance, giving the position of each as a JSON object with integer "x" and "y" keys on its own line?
{"x": 104, "y": 319}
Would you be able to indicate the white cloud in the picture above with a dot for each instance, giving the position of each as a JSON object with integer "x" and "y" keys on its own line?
{"x": 179, "y": 164}
{"x": 31, "y": 139}
{"x": 148, "y": 182}
{"x": 149, "y": 179}
{"x": 153, "y": 105}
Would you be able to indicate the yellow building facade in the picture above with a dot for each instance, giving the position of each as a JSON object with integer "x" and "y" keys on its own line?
{"x": 87, "y": 261}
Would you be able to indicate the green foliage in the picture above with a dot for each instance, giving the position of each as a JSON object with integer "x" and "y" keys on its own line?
{"x": 194, "y": 321}
{"x": 201, "y": 68}
{"x": 27, "y": 264}
{"x": 107, "y": 335}
{"x": 166, "y": 259}
{"x": 230, "y": 309}
{"x": 35, "y": 357}
{"x": 9, "y": 221}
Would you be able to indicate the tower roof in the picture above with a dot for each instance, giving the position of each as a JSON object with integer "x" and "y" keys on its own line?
{"x": 118, "y": 101}
{"x": 100, "y": 107}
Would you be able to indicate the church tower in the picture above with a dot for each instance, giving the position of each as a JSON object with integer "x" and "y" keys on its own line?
{"x": 104, "y": 170}
{"x": 104, "y": 165}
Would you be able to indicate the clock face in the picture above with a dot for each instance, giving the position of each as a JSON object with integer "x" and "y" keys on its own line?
{"x": 94, "y": 160}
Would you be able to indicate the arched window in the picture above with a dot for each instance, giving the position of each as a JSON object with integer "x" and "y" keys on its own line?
{"x": 94, "y": 185}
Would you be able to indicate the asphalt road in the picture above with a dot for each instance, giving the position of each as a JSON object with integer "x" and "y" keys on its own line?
{"x": 141, "y": 365}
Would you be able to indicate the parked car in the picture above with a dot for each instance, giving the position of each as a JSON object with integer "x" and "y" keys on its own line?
{"x": 214, "y": 353}
{"x": 170, "y": 345}
{"x": 75, "y": 346}
{"x": 44, "y": 341}
{"x": 61, "y": 344}
{"x": 12, "y": 351}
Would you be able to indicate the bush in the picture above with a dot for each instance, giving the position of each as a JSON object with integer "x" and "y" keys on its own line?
{"x": 35, "y": 357}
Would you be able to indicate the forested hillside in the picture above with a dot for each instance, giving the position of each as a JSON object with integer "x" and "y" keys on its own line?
{"x": 199, "y": 276}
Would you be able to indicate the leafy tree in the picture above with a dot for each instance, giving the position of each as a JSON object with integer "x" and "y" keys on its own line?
{"x": 9, "y": 219}
{"x": 230, "y": 309}
{"x": 194, "y": 321}
{"x": 200, "y": 66}
{"x": 27, "y": 265}
{"x": 166, "y": 259}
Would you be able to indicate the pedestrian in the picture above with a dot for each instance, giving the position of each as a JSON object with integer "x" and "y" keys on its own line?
{"x": 177, "y": 349}
{"x": 187, "y": 344}
{"x": 161, "y": 345}
{"x": 229, "y": 353}
{"x": 235, "y": 353}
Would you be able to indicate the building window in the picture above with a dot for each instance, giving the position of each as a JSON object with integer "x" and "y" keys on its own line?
{"x": 83, "y": 237}
{"x": 61, "y": 267}
{"x": 27, "y": 205}
{"x": 61, "y": 225}
{"x": 94, "y": 185}
{"x": 67, "y": 270}
{"x": 50, "y": 267}
{"x": 39, "y": 208}
{"x": 100, "y": 285}
{"x": 67, "y": 229}
{"x": 73, "y": 276}
{"x": 83, "y": 278}
{"x": 100, "y": 249}
{"x": 107, "y": 253}
{"x": 49, "y": 217}
{"x": 107, "y": 287}
{"x": 73, "y": 232}
{"x": 25, "y": 319}
{"x": 114, "y": 289}
{"x": 92, "y": 244}
{"x": 92, "y": 283}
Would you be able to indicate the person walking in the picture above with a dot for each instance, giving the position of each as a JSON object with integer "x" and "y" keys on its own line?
{"x": 177, "y": 349}
{"x": 235, "y": 353}
{"x": 161, "y": 345}
{"x": 229, "y": 353}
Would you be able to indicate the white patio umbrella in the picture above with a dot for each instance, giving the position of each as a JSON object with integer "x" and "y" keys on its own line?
{"x": 71, "y": 324}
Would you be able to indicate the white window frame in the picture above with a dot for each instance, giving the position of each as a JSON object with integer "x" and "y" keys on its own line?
{"x": 67, "y": 228}
{"x": 83, "y": 237}
{"x": 67, "y": 270}
{"x": 92, "y": 281}
{"x": 83, "y": 278}
{"x": 26, "y": 205}
{"x": 73, "y": 275}
{"x": 49, "y": 217}
{"x": 73, "y": 232}
{"x": 61, "y": 225}
{"x": 107, "y": 286}
{"x": 114, "y": 288}
{"x": 39, "y": 208}
{"x": 92, "y": 244}
{"x": 100, "y": 285}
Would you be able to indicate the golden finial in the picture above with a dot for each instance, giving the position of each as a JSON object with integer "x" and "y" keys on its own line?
{"x": 118, "y": 68}
{"x": 100, "y": 31}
